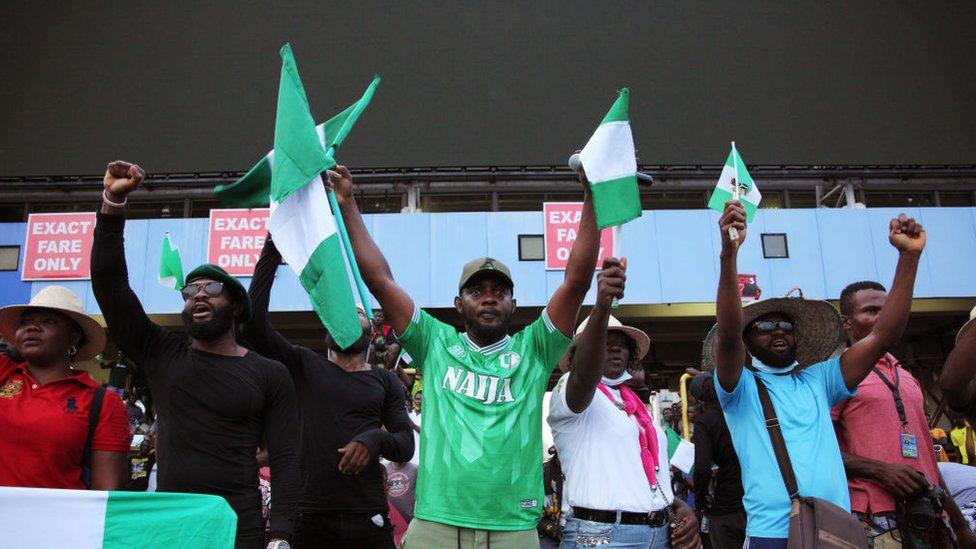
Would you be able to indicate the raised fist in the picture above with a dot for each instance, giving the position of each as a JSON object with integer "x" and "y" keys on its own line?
{"x": 610, "y": 281}
{"x": 906, "y": 234}
{"x": 121, "y": 178}
{"x": 734, "y": 216}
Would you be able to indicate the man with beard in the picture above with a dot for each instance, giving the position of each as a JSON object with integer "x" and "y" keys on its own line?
{"x": 788, "y": 345}
{"x": 352, "y": 413}
{"x": 215, "y": 399}
{"x": 480, "y": 481}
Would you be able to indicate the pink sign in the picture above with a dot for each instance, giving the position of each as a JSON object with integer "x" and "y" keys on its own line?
{"x": 236, "y": 239}
{"x": 58, "y": 246}
{"x": 561, "y": 227}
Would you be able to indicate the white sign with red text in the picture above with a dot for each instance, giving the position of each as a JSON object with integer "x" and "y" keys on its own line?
{"x": 236, "y": 239}
{"x": 562, "y": 221}
{"x": 58, "y": 246}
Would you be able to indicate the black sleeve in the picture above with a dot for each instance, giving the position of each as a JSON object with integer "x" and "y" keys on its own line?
{"x": 702, "y": 473}
{"x": 131, "y": 330}
{"x": 281, "y": 431}
{"x": 258, "y": 331}
{"x": 396, "y": 442}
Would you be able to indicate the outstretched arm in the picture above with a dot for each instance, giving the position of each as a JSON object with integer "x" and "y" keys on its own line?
{"x": 587, "y": 363}
{"x": 563, "y": 306}
{"x": 908, "y": 237}
{"x": 258, "y": 331}
{"x": 958, "y": 378}
{"x": 373, "y": 266}
{"x": 730, "y": 352}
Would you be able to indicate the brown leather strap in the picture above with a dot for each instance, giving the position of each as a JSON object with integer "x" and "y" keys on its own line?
{"x": 776, "y": 437}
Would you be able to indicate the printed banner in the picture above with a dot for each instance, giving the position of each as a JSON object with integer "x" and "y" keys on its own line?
{"x": 561, "y": 227}
{"x": 236, "y": 239}
{"x": 58, "y": 246}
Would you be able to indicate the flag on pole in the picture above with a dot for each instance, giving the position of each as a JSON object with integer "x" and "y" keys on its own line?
{"x": 681, "y": 453}
{"x": 610, "y": 163}
{"x": 91, "y": 519}
{"x": 301, "y": 221}
{"x": 253, "y": 188}
{"x": 170, "y": 265}
{"x": 735, "y": 182}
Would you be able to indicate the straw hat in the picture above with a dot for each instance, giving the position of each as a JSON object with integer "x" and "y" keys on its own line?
{"x": 66, "y": 302}
{"x": 968, "y": 326}
{"x": 819, "y": 330}
{"x": 640, "y": 339}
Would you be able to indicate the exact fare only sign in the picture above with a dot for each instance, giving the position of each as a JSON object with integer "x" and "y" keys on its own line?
{"x": 236, "y": 239}
{"x": 562, "y": 221}
{"x": 58, "y": 246}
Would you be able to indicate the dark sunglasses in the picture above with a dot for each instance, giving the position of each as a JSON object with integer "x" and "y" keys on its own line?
{"x": 769, "y": 326}
{"x": 212, "y": 289}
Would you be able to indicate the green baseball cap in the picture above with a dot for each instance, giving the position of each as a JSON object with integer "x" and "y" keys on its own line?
{"x": 213, "y": 272}
{"x": 485, "y": 265}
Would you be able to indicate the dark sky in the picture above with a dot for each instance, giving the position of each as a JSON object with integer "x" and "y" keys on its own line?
{"x": 181, "y": 86}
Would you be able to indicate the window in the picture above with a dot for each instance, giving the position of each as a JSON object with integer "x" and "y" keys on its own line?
{"x": 673, "y": 200}
{"x": 9, "y": 258}
{"x": 380, "y": 203}
{"x": 774, "y": 246}
{"x": 898, "y": 199}
{"x": 474, "y": 202}
{"x": 956, "y": 198}
{"x": 531, "y": 247}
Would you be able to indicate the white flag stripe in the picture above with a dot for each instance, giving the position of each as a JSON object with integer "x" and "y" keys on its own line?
{"x": 609, "y": 154}
{"x": 77, "y": 520}
{"x": 725, "y": 182}
{"x": 299, "y": 225}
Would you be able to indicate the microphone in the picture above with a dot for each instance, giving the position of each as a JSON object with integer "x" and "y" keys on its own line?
{"x": 575, "y": 164}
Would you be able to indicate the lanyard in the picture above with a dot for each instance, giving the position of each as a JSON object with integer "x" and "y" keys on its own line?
{"x": 899, "y": 405}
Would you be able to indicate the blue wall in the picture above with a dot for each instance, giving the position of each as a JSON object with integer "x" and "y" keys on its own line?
{"x": 673, "y": 255}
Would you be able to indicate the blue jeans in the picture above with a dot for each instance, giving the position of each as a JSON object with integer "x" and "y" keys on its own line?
{"x": 586, "y": 533}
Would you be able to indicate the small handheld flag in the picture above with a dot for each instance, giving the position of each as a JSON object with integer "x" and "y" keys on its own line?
{"x": 735, "y": 183}
{"x": 170, "y": 265}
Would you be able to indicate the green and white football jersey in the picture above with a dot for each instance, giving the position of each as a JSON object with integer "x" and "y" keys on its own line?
{"x": 481, "y": 440}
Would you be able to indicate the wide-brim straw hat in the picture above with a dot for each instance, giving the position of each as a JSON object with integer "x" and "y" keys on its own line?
{"x": 968, "y": 326}
{"x": 641, "y": 341}
{"x": 66, "y": 302}
{"x": 818, "y": 328}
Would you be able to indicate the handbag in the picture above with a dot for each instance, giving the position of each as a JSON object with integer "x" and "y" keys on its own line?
{"x": 814, "y": 522}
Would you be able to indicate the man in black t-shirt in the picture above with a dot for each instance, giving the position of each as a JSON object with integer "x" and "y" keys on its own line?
{"x": 214, "y": 398}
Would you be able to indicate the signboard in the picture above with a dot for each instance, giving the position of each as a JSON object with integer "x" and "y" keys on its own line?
{"x": 561, "y": 226}
{"x": 749, "y": 287}
{"x": 58, "y": 246}
{"x": 236, "y": 239}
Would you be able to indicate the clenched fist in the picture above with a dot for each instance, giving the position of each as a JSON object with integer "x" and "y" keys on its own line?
{"x": 121, "y": 178}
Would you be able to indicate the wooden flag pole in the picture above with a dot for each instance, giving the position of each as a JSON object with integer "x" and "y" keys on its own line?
{"x": 733, "y": 232}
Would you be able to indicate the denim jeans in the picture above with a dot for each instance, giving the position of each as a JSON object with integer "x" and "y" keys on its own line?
{"x": 586, "y": 533}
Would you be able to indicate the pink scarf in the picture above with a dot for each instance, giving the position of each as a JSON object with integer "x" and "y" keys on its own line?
{"x": 648, "y": 436}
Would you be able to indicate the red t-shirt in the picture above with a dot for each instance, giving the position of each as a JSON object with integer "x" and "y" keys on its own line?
{"x": 43, "y": 427}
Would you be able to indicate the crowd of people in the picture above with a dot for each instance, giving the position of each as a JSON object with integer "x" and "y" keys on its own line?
{"x": 797, "y": 402}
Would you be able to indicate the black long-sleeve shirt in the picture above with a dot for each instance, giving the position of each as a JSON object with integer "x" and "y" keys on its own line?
{"x": 213, "y": 409}
{"x": 713, "y": 444}
{"x": 336, "y": 407}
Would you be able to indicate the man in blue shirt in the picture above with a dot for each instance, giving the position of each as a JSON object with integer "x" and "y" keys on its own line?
{"x": 788, "y": 344}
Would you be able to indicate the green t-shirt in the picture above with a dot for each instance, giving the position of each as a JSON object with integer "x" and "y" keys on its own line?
{"x": 481, "y": 440}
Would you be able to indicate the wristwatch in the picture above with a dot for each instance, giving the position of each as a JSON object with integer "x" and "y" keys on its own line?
{"x": 278, "y": 544}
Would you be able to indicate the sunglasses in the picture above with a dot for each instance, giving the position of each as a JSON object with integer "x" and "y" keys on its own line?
{"x": 212, "y": 289}
{"x": 769, "y": 326}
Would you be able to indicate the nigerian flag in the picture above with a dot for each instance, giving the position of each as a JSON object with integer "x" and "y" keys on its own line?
{"x": 681, "y": 453}
{"x": 254, "y": 187}
{"x": 170, "y": 265}
{"x": 301, "y": 220}
{"x": 735, "y": 173}
{"x": 90, "y": 519}
{"x": 611, "y": 167}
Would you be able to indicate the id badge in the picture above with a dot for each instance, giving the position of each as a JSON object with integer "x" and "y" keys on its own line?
{"x": 909, "y": 445}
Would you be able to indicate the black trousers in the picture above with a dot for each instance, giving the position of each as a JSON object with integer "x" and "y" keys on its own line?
{"x": 343, "y": 530}
{"x": 727, "y": 531}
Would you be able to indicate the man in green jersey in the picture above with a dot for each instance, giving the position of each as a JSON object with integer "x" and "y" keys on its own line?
{"x": 480, "y": 478}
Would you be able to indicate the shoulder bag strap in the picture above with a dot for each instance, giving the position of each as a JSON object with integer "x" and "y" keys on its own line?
{"x": 776, "y": 437}
{"x": 93, "y": 414}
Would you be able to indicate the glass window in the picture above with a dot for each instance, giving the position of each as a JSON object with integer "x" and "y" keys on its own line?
{"x": 532, "y": 202}
{"x": 802, "y": 199}
{"x": 474, "y": 202}
{"x": 774, "y": 245}
{"x": 11, "y": 213}
{"x": 9, "y": 258}
{"x": 772, "y": 200}
{"x": 154, "y": 210}
{"x": 956, "y": 198}
{"x": 673, "y": 200}
{"x": 531, "y": 247}
{"x": 380, "y": 203}
{"x": 894, "y": 199}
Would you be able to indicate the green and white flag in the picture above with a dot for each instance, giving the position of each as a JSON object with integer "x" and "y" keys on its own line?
{"x": 681, "y": 453}
{"x": 90, "y": 519}
{"x": 301, "y": 221}
{"x": 170, "y": 265}
{"x": 745, "y": 190}
{"x": 610, "y": 163}
{"x": 253, "y": 188}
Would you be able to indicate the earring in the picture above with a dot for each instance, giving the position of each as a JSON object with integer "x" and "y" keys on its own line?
{"x": 72, "y": 351}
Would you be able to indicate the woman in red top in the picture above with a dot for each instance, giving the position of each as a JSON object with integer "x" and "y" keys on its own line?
{"x": 45, "y": 402}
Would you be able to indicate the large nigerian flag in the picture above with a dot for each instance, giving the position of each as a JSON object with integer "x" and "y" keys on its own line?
{"x": 301, "y": 221}
{"x": 170, "y": 265}
{"x": 90, "y": 519}
{"x": 611, "y": 167}
{"x": 253, "y": 188}
{"x": 735, "y": 172}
